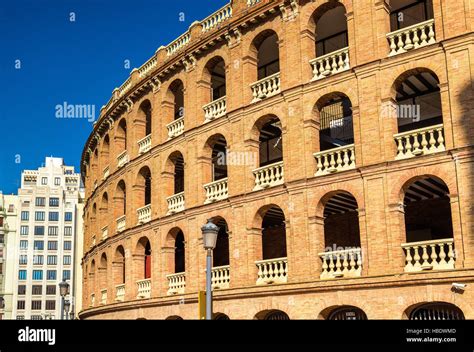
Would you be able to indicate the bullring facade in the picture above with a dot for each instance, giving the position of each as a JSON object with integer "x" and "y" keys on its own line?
{"x": 330, "y": 141}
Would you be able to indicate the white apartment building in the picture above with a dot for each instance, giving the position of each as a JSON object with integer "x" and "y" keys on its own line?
{"x": 49, "y": 226}
{"x": 8, "y": 233}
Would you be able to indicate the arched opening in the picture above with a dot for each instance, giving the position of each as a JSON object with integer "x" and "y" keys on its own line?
{"x": 436, "y": 311}
{"x": 268, "y": 54}
{"x": 220, "y": 316}
{"x": 92, "y": 282}
{"x": 428, "y": 225}
{"x": 177, "y": 161}
{"x": 215, "y": 74}
{"x": 221, "y": 251}
{"x": 273, "y": 234}
{"x": 179, "y": 256}
{"x": 119, "y": 266}
{"x": 331, "y": 28}
{"x": 272, "y": 314}
{"x": 175, "y": 261}
{"x": 121, "y": 199}
{"x": 270, "y": 142}
{"x": 106, "y": 150}
{"x": 347, "y": 313}
{"x": 174, "y": 317}
{"x": 217, "y": 146}
{"x": 144, "y": 249}
{"x": 342, "y": 255}
{"x": 177, "y": 93}
{"x": 103, "y": 272}
{"x": 121, "y": 136}
{"x": 405, "y": 13}
{"x": 175, "y": 186}
{"x": 143, "y": 186}
{"x": 104, "y": 209}
{"x": 143, "y": 125}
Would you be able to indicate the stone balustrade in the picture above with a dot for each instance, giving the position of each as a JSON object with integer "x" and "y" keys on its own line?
{"x": 335, "y": 160}
{"x": 330, "y": 64}
{"x": 92, "y": 302}
{"x": 252, "y": 2}
{"x": 144, "y": 288}
{"x": 269, "y": 176}
{"x": 122, "y": 159}
{"x": 105, "y": 232}
{"x": 144, "y": 214}
{"x": 266, "y": 87}
{"x": 120, "y": 293}
{"x": 216, "y": 190}
{"x": 125, "y": 87}
{"x": 176, "y": 283}
{"x": 175, "y": 203}
{"x": 147, "y": 67}
{"x": 429, "y": 255}
{"x": 343, "y": 263}
{"x": 144, "y": 144}
{"x": 177, "y": 44}
{"x": 175, "y": 128}
{"x": 217, "y": 18}
{"x": 220, "y": 277}
{"x": 272, "y": 271}
{"x": 215, "y": 109}
{"x": 411, "y": 37}
{"x": 121, "y": 223}
{"x": 106, "y": 172}
{"x": 422, "y": 141}
{"x": 103, "y": 297}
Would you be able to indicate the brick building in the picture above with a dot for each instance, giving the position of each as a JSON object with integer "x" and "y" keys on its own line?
{"x": 331, "y": 142}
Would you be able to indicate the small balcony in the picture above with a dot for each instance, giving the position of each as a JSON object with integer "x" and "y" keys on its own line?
{"x": 144, "y": 214}
{"x": 422, "y": 141}
{"x": 429, "y": 255}
{"x": 220, "y": 277}
{"x": 216, "y": 191}
{"x": 335, "y": 160}
{"x": 120, "y": 293}
{"x": 92, "y": 302}
{"x": 272, "y": 271}
{"x": 121, "y": 223}
{"x": 144, "y": 288}
{"x": 175, "y": 203}
{"x": 122, "y": 159}
{"x": 93, "y": 242}
{"x": 106, "y": 173}
{"x": 215, "y": 109}
{"x": 144, "y": 144}
{"x": 105, "y": 232}
{"x": 175, "y": 128}
{"x": 269, "y": 176}
{"x": 176, "y": 283}
{"x": 330, "y": 64}
{"x": 338, "y": 264}
{"x": 412, "y": 37}
{"x": 103, "y": 297}
{"x": 266, "y": 87}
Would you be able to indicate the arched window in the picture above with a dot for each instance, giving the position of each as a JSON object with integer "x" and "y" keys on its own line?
{"x": 144, "y": 186}
{"x": 331, "y": 29}
{"x": 175, "y": 261}
{"x": 271, "y": 142}
{"x": 103, "y": 272}
{"x": 179, "y": 257}
{"x": 273, "y": 314}
{"x": 405, "y": 13}
{"x": 119, "y": 267}
{"x": 177, "y": 91}
{"x": 143, "y": 250}
{"x": 347, "y": 313}
{"x": 215, "y": 70}
{"x": 121, "y": 199}
{"x": 178, "y": 169}
{"x": 268, "y": 57}
{"x": 106, "y": 150}
{"x": 121, "y": 136}
{"x": 221, "y": 251}
{"x": 437, "y": 311}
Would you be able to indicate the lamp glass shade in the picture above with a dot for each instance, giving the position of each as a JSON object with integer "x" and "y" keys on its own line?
{"x": 63, "y": 288}
{"x": 67, "y": 305}
{"x": 209, "y": 235}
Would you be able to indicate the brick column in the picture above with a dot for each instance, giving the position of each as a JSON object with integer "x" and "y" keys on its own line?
{"x": 254, "y": 253}
{"x": 316, "y": 245}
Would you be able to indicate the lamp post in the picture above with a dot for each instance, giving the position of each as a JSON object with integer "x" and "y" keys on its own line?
{"x": 63, "y": 291}
{"x": 67, "y": 305}
{"x": 209, "y": 239}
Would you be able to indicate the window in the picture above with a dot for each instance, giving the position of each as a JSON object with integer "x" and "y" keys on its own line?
{"x": 54, "y": 202}
{"x": 57, "y": 181}
{"x": 53, "y": 216}
{"x": 37, "y": 290}
{"x": 38, "y": 245}
{"x": 23, "y": 260}
{"x": 66, "y": 274}
{"x": 25, "y": 215}
{"x": 37, "y": 317}
{"x": 20, "y": 305}
{"x": 20, "y": 317}
{"x": 38, "y": 260}
{"x": 51, "y": 275}
{"x": 68, "y": 216}
{"x": 11, "y": 208}
{"x": 40, "y": 201}
{"x": 67, "y": 245}
{"x": 52, "y": 260}
{"x": 39, "y": 215}
{"x": 23, "y": 244}
{"x": 21, "y": 289}
{"x": 22, "y": 275}
{"x": 67, "y": 231}
{"x": 24, "y": 230}
{"x": 35, "y": 305}
{"x": 53, "y": 230}
{"x": 51, "y": 289}
{"x": 39, "y": 230}
{"x": 67, "y": 260}
{"x": 37, "y": 274}
{"x": 52, "y": 245}
{"x": 50, "y": 305}
{"x": 44, "y": 181}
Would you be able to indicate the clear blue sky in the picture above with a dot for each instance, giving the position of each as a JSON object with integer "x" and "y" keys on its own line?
{"x": 78, "y": 62}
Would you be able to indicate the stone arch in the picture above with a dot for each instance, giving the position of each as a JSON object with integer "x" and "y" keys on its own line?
{"x": 271, "y": 314}
{"x": 119, "y": 266}
{"x": 143, "y": 258}
{"x": 436, "y": 310}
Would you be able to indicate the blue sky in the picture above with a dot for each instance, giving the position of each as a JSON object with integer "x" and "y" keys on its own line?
{"x": 78, "y": 62}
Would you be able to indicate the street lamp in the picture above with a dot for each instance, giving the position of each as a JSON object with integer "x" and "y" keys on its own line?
{"x": 63, "y": 291}
{"x": 67, "y": 305}
{"x": 209, "y": 239}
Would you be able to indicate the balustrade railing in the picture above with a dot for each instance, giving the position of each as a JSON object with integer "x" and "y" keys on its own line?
{"x": 334, "y": 160}
{"x": 144, "y": 214}
{"x": 144, "y": 144}
{"x": 216, "y": 190}
{"x": 103, "y": 296}
{"x": 175, "y": 128}
{"x": 121, "y": 223}
{"x": 122, "y": 159}
{"x": 215, "y": 109}
{"x": 425, "y": 140}
{"x": 144, "y": 288}
{"x": 120, "y": 293}
{"x": 217, "y": 18}
{"x": 175, "y": 203}
{"x": 330, "y": 64}
{"x": 266, "y": 87}
{"x": 269, "y": 176}
{"x": 343, "y": 263}
{"x": 429, "y": 255}
{"x": 176, "y": 283}
{"x": 272, "y": 271}
{"x": 220, "y": 277}
{"x": 411, "y": 37}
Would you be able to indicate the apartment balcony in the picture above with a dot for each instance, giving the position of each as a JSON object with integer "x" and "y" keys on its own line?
{"x": 269, "y": 176}
{"x": 144, "y": 288}
{"x": 122, "y": 159}
{"x": 92, "y": 302}
{"x": 330, "y": 64}
{"x": 175, "y": 203}
{"x": 103, "y": 297}
{"x": 335, "y": 160}
{"x": 176, "y": 283}
{"x": 266, "y": 87}
{"x": 144, "y": 144}
{"x": 220, "y": 277}
{"x": 121, "y": 223}
{"x": 272, "y": 271}
{"x": 106, "y": 173}
{"x": 422, "y": 141}
{"x": 412, "y": 37}
{"x": 215, "y": 109}
{"x": 105, "y": 232}
{"x": 144, "y": 214}
{"x": 120, "y": 293}
{"x": 216, "y": 190}
{"x": 344, "y": 263}
{"x": 429, "y": 255}
{"x": 175, "y": 128}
